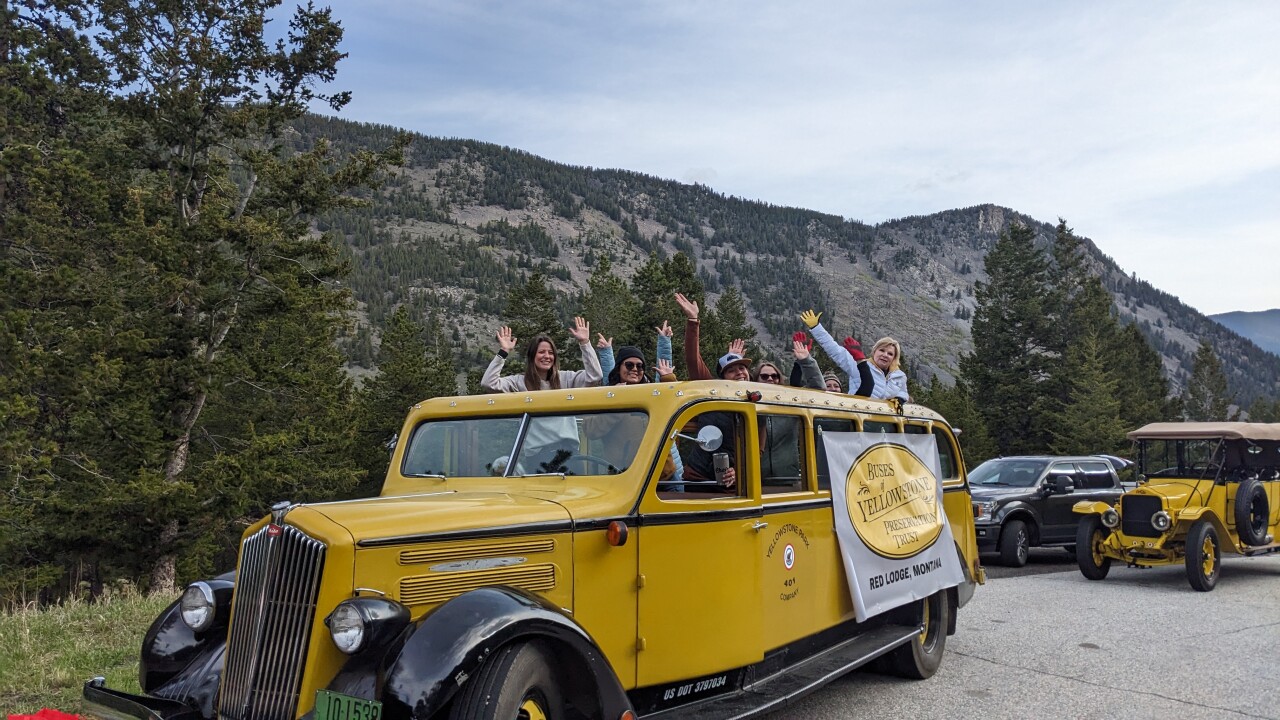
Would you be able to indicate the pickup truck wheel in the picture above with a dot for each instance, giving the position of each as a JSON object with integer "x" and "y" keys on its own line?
{"x": 516, "y": 683}
{"x": 1090, "y": 534}
{"x": 920, "y": 658}
{"x": 1204, "y": 558}
{"x": 1252, "y": 512}
{"x": 1015, "y": 544}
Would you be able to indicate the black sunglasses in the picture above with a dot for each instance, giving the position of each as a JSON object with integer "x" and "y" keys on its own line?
{"x": 770, "y": 376}
{"x": 633, "y": 365}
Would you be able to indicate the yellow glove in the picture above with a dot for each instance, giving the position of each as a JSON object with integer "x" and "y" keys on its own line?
{"x": 810, "y": 318}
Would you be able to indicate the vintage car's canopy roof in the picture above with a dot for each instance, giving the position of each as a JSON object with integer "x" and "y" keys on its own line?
{"x": 1207, "y": 431}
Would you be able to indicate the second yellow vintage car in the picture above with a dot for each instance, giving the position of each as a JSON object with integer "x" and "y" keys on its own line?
{"x": 1205, "y": 488}
{"x": 619, "y": 552}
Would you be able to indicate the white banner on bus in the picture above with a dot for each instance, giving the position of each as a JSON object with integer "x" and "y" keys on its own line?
{"x": 893, "y": 532}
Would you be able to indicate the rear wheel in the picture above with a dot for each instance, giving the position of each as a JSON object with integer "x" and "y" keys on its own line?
{"x": 516, "y": 683}
{"x": 1204, "y": 557}
{"x": 1015, "y": 544}
{"x": 1090, "y": 534}
{"x": 1252, "y": 512}
{"x": 920, "y": 658}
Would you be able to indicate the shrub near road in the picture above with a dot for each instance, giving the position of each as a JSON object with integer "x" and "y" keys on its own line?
{"x": 46, "y": 655}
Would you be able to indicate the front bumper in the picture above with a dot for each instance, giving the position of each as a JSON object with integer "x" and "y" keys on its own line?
{"x": 988, "y": 536}
{"x": 103, "y": 702}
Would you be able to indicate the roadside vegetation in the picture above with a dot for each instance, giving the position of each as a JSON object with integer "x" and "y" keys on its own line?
{"x": 47, "y": 654}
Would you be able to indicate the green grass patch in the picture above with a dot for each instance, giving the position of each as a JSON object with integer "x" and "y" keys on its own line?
{"x": 47, "y": 655}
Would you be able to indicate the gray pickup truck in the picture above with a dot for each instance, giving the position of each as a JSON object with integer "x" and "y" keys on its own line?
{"x": 1025, "y": 501}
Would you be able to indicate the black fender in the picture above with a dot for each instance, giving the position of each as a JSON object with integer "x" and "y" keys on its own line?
{"x": 1026, "y": 512}
{"x": 180, "y": 664}
{"x": 447, "y": 646}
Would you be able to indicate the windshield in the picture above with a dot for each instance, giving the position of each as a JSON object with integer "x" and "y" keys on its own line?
{"x": 586, "y": 444}
{"x": 1008, "y": 472}
{"x": 1198, "y": 458}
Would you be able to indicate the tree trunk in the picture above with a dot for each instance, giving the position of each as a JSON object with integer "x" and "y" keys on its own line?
{"x": 164, "y": 573}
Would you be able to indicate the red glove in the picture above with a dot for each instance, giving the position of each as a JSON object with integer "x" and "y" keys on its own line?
{"x": 855, "y": 349}
{"x": 803, "y": 337}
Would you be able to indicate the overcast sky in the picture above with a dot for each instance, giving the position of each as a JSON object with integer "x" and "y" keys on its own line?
{"x": 1153, "y": 128}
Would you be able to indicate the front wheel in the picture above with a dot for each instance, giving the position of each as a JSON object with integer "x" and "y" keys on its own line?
{"x": 1090, "y": 535}
{"x": 920, "y": 658}
{"x": 516, "y": 683}
{"x": 1015, "y": 544}
{"x": 1204, "y": 556}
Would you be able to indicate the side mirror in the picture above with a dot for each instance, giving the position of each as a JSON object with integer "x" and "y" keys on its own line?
{"x": 709, "y": 438}
{"x": 1061, "y": 485}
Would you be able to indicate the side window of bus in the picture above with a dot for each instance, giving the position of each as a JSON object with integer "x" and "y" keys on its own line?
{"x": 781, "y": 456}
{"x": 876, "y": 426}
{"x": 702, "y": 469}
{"x": 946, "y": 455}
{"x": 821, "y": 425}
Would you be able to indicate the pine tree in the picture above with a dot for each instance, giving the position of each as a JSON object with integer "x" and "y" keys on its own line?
{"x": 530, "y": 312}
{"x": 414, "y": 364}
{"x": 1009, "y": 365}
{"x": 957, "y": 405}
{"x": 611, "y": 308}
{"x": 1091, "y": 419}
{"x": 1206, "y": 397}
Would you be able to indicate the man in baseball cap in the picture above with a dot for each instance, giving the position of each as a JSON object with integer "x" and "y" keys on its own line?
{"x": 733, "y": 366}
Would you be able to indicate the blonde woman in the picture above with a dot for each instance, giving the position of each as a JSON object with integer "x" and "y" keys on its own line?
{"x": 889, "y": 381}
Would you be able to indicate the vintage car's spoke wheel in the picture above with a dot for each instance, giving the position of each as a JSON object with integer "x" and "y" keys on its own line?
{"x": 1015, "y": 544}
{"x": 1252, "y": 512}
{"x": 1204, "y": 559}
{"x": 920, "y": 658}
{"x": 1090, "y": 536}
{"x": 516, "y": 683}
{"x": 531, "y": 710}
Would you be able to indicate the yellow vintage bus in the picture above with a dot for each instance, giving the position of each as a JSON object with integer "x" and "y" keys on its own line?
{"x": 611, "y": 552}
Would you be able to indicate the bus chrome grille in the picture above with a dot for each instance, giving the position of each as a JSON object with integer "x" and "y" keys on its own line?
{"x": 272, "y": 612}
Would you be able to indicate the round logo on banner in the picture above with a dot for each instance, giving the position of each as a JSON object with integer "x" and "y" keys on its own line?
{"x": 893, "y": 501}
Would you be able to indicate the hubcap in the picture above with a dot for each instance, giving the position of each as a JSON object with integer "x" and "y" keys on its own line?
{"x": 924, "y": 619}
{"x": 531, "y": 710}
{"x": 1023, "y": 550}
{"x": 1210, "y": 554}
{"x": 1095, "y": 547}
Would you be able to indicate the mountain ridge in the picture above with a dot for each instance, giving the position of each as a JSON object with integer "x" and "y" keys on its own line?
{"x": 464, "y": 219}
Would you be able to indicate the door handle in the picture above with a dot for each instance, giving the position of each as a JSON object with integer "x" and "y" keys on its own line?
{"x": 759, "y": 525}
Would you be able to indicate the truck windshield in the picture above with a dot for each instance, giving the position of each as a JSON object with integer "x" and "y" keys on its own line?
{"x": 602, "y": 443}
{"x": 1008, "y": 472}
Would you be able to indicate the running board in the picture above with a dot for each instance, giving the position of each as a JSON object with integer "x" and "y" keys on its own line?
{"x": 772, "y": 693}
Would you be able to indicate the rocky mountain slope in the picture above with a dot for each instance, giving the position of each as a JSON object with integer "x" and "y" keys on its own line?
{"x": 464, "y": 220}
{"x": 1263, "y": 327}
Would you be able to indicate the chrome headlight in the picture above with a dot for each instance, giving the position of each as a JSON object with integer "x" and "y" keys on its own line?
{"x": 361, "y": 623}
{"x": 1111, "y": 518}
{"x": 347, "y": 627}
{"x": 984, "y": 510}
{"x": 198, "y": 607}
{"x": 1161, "y": 521}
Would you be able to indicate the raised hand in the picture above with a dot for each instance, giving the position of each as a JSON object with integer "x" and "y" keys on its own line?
{"x": 799, "y": 350}
{"x": 506, "y": 340}
{"x": 803, "y": 337}
{"x": 665, "y": 330}
{"x": 810, "y": 318}
{"x": 581, "y": 331}
{"x": 738, "y": 346}
{"x": 665, "y": 367}
{"x": 687, "y": 306}
{"x": 602, "y": 342}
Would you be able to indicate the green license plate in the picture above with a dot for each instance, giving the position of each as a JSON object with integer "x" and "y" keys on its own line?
{"x": 336, "y": 706}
